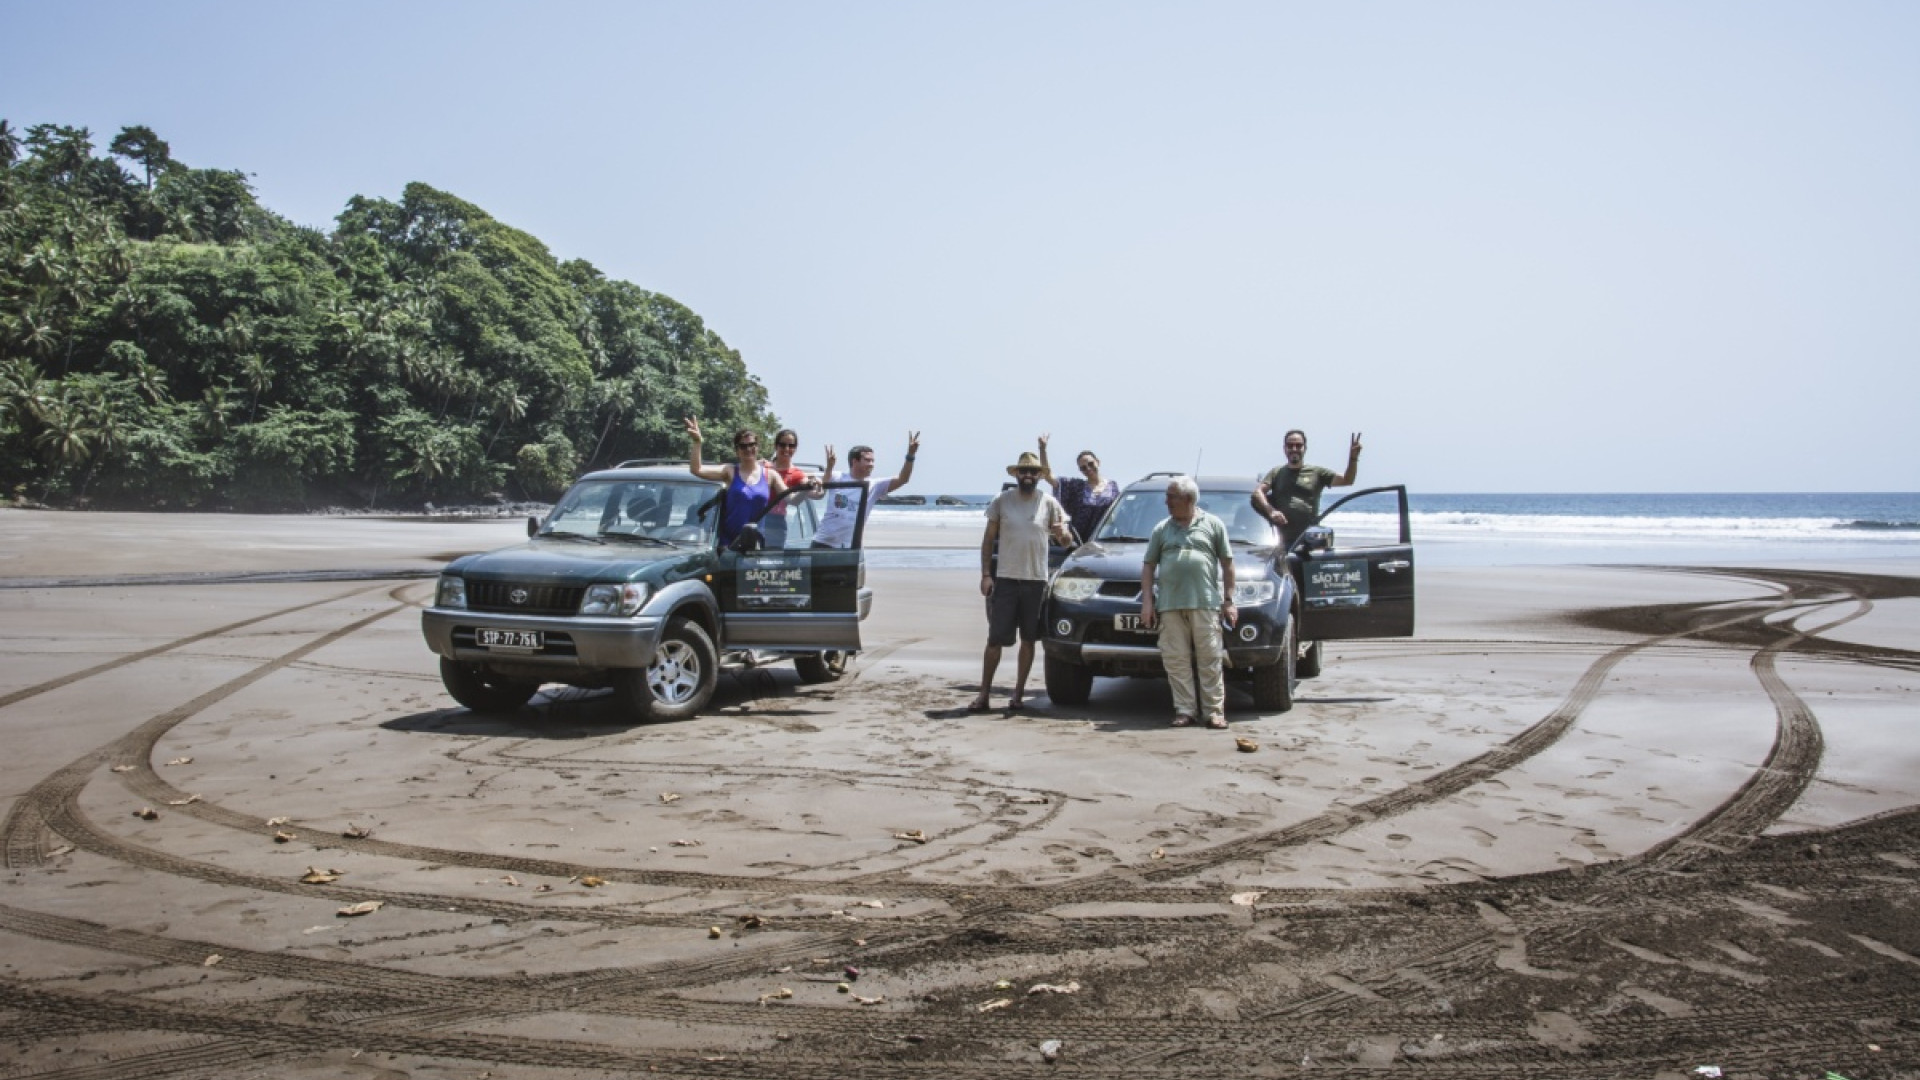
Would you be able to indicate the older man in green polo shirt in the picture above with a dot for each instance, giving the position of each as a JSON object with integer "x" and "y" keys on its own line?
{"x": 1189, "y": 558}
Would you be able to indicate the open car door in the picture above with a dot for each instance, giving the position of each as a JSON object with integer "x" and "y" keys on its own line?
{"x": 790, "y": 595}
{"x": 1360, "y": 583}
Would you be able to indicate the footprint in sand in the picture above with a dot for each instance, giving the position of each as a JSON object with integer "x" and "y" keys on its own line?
{"x": 1480, "y": 836}
{"x": 1398, "y": 840}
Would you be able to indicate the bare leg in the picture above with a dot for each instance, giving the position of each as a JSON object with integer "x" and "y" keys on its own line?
{"x": 1025, "y": 660}
{"x": 989, "y": 663}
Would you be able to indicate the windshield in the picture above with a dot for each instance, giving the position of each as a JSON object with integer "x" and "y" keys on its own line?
{"x": 1137, "y": 512}
{"x": 662, "y": 510}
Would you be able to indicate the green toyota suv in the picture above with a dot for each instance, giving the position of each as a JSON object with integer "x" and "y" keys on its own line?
{"x": 625, "y": 586}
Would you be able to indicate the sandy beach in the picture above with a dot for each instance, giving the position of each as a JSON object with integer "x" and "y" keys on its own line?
{"x": 1589, "y": 821}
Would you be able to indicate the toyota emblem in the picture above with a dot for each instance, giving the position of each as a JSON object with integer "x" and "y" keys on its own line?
{"x": 518, "y": 596}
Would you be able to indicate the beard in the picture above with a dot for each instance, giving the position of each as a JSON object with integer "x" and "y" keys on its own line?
{"x": 1028, "y": 483}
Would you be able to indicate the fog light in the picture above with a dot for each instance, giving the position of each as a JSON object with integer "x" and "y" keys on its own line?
{"x": 1249, "y": 632}
{"x": 1064, "y": 627}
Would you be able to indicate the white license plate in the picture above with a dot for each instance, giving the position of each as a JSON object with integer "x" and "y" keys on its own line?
{"x": 1130, "y": 622}
{"x": 508, "y": 639}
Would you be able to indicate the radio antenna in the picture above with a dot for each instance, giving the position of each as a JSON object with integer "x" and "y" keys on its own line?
{"x": 1202, "y": 452}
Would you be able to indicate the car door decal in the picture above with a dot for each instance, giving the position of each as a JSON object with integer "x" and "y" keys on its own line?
{"x": 1336, "y": 583}
{"x": 776, "y": 582}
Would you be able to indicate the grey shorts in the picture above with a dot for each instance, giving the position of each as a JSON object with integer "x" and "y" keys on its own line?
{"x": 1014, "y": 609}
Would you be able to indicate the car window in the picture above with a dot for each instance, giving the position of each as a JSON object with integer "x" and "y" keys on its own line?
{"x": 1368, "y": 521}
{"x": 1137, "y": 512}
{"x": 663, "y": 510}
{"x": 1133, "y": 516}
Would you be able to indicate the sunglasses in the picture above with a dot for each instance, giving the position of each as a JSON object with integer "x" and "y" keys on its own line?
{"x": 786, "y": 446}
{"x": 748, "y": 445}
{"x": 1027, "y": 472}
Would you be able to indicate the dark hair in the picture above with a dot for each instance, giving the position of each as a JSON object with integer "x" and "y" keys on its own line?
{"x": 1291, "y": 433}
{"x": 744, "y": 434}
{"x": 1086, "y": 453}
{"x": 784, "y": 432}
{"x": 857, "y": 451}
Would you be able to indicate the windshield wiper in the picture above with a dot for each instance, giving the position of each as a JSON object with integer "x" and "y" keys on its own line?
{"x": 1124, "y": 539}
{"x": 638, "y": 538}
{"x": 571, "y": 536}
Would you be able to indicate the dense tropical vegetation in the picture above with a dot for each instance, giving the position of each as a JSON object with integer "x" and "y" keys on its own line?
{"x": 167, "y": 342}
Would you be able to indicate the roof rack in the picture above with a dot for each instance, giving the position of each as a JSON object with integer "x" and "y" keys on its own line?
{"x": 641, "y": 463}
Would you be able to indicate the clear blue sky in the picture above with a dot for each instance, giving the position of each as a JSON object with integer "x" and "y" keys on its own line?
{"x": 1522, "y": 246}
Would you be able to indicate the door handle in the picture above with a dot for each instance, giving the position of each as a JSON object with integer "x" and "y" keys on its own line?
{"x": 1395, "y": 566}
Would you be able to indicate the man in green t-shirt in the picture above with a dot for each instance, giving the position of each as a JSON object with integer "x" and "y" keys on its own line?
{"x": 1289, "y": 495}
{"x": 1188, "y": 555}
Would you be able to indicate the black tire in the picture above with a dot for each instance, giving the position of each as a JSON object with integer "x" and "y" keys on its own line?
{"x": 1068, "y": 683}
{"x": 1309, "y": 666}
{"x": 680, "y": 680}
{"x": 823, "y": 667}
{"x": 481, "y": 692}
{"x": 1273, "y": 684}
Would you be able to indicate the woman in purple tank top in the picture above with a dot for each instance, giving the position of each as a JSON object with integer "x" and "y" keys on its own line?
{"x": 751, "y": 485}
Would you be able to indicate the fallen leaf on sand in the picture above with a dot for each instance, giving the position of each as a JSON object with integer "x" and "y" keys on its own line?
{"x": 61, "y": 850}
{"x": 510, "y": 880}
{"x": 915, "y": 835}
{"x": 181, "y": 761}
{"x": 990, "y": 1006}
{"x": 713, "y": 931}
{"x": 669, "y": 797}
{"x": 1246, "y": 899}
{"x": 276, "y": 822}
{"x": 1003, "y": 984}
{"x": 543, "y": 888}
{"x": 683, "y": 843}
{"x": 869, "y": 903}
{"x": 1245, "y": 746}
{"x": 875, "y": 1000}
{"x": 750, "y": 922}
{"x": 146, "y": 813}
{"x": 211, "y": 960}
{"x": 778, "y": 995}
{"x": 315, "y": 876}
{"x": 364, "y": 907}
{"x": 1159, "y": 853}
{"x": 281, "y": 837}
{"x": 315, "y": 929}
{"x": 123, "y": 768}
{"x": 184, "y": 802}
{"x": 592, "y": 882}
{"x": 1054, "y": 988}
{"x": 355, "y": 832}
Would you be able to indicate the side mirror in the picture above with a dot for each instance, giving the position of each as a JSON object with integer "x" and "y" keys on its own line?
{"x": 533, "y": 525}
{"x": 1314, "y": 538}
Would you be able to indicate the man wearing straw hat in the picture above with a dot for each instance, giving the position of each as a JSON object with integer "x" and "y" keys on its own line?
{"x": 1019, "y": 522}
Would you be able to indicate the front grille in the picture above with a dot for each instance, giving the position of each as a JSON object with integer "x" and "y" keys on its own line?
{"x": 539, "y": 600}
{"x": 1125, "y": 590}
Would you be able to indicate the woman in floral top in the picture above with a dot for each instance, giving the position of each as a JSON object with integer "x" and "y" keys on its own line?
{"x": 1087, "y": 496}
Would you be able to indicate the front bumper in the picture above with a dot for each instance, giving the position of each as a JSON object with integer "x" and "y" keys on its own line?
{"x": 570, "y": 642}
{"x": 1085, "y": 635}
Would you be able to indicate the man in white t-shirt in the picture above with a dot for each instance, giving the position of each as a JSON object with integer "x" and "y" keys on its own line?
{"x": 843, "y": 504}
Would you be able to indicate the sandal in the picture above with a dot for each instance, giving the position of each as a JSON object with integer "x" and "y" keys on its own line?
{"x": 1183, "y": 720}
{"x": 1218, "y": 723}
{"x": 978, "y": 705}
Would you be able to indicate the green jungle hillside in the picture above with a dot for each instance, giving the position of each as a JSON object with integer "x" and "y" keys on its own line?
{"x": 168, "y": 343}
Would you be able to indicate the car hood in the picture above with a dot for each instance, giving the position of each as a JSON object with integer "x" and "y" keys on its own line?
{"x": 1117, "y": 562}
{"x": 543, "y": 560}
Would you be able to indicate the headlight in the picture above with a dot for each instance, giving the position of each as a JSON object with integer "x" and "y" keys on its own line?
{"x": 610, "y": 598}
{"x": 1077, "y": 587}
{"x": 1254, "y": 593}
{"x": 451, "y": 593}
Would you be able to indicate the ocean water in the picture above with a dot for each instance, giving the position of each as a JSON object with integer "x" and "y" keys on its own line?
{"x": 1509, "y": 529}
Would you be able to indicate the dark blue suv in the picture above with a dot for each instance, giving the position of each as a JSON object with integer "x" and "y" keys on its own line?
{"x": 1288, "y": 601}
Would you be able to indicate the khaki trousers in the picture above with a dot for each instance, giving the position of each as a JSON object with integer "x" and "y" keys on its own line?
{"x": 1190, "y": 640}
